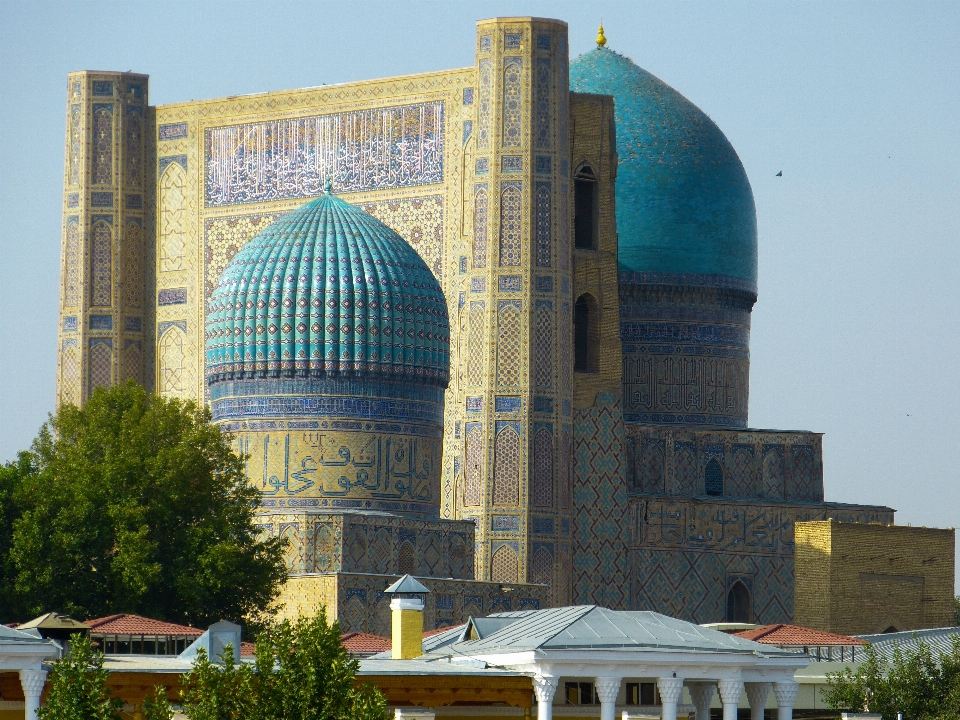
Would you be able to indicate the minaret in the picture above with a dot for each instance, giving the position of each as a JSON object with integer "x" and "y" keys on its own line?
{"x": 102, "y": 299}
{"x": 517, "y": 432}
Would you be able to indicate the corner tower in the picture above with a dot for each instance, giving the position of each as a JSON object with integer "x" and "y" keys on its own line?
{"x": 105, "y": 237}
{"x": 515, "y": 312}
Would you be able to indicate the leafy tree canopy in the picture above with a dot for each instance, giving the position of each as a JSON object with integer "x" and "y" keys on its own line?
{"x": 135, "y": 503}
{"x": 302, "y": 672}
{"x": 77, "y": 687}
{"x": 917, "y": 682}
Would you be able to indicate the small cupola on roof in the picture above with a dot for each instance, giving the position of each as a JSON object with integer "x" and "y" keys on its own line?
{"x": 327, "y": 348}
{"x": 683, "y": 202}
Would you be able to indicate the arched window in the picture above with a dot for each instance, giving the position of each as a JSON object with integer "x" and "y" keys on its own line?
{"x": 738, "y": 603}
{"x": 713, "y": 478}
{"x": 586, "y": 213}
{"x": 586, "y": 335}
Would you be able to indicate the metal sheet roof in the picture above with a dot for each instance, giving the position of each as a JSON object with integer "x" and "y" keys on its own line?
{"x": 589, "y": 627}
{"x": 940, "y": 640}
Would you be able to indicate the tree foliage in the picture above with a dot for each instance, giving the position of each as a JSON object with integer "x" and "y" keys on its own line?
{"x": 302, "y": 672}
{"x": 917, "y": 682}
{"x": 78, "y": 686}
{"x": 135, "y": 503}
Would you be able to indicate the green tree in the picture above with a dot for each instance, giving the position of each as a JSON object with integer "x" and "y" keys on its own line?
{"x": 304, "y": 672}
{"x": 220, "y": 692}
{"x": 78, "y": 686}
{"x": 135, "y": 503}
{"x": 916, "y": 682}
{"x": 956, "y": 611}
{"x": 156, "y": 706}
{"x": 301, "y": 672}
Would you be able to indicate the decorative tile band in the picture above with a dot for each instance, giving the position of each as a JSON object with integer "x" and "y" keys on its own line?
{"x": 507, "y": 403}
{"x": 172, "y": 296}
{"x": 70, "y": 324}
{"x": 172, "y": 131}
{"x": 543, "y": 404}
{"x": 372, "y": 149}
{"x": 543, "y": 525}
{"x": 716, "y": 281}
{"x": 510, "y": 283}
{"x": 511, "y": 164}
{"x": 506, "y": 523}
{"x": 134, "y": 202}
{"x": 101, "y": 199}
{"x": 101, "y": 322}
{"x": 132, "y": 324}
{"x": 474, "y": 404}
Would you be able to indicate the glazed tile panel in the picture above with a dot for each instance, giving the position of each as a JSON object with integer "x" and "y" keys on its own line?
{"x": 372, "y": 149}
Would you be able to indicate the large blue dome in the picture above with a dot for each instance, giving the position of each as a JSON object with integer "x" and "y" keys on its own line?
{"x": 684, "y": 204}
{"x": 328, "y": 291}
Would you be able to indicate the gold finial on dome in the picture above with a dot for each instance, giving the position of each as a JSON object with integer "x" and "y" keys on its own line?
{"x": 601, "y": 38}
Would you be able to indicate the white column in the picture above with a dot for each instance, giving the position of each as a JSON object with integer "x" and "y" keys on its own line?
{"x": 702, "y": 695}
{"x": 544, "y": 687}
{"x": 730, "y": 692}
{"x": 757, "y": 694}
{"x": 607, "y": 689}
{"x": 32, "y": 683}
{"x": 670, "y": 689}
{"x": 786, "y": 694}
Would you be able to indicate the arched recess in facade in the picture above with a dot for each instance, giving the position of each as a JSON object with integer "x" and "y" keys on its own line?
{"x": 586, "y": 335}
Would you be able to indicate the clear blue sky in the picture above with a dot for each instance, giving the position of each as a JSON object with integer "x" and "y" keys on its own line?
{"x": 857, "y": 330}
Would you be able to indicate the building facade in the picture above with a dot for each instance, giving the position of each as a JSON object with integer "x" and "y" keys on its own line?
{"x": 593, "y": 236}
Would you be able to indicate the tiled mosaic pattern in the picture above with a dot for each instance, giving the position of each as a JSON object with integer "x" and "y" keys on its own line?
{"x": 600, "y": 494}
{"x": 363, "y": 150}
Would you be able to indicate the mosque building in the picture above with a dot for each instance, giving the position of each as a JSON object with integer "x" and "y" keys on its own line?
{"x": 488, "y": 326}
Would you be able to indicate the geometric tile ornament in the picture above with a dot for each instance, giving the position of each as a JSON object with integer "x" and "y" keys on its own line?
{"x": 599, "y": 497}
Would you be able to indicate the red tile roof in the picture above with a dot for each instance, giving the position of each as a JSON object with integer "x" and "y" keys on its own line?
{"x": 248, "y": 649}
{"x": 360, "y": 642}
{"x": 124, "y": 624}
{"x": 795, "y": 635}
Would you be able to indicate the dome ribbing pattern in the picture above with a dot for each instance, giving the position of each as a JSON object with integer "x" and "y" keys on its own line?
{"x": 328, "y": 291}
{"x": 684, "y": 204}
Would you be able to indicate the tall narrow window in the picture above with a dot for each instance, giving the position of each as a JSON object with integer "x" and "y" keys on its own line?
{"x": 586, "y": 221}
{"x": 738, "y": 603}
{"x": 586, "y": 335}
{"x": 713, "y": 478}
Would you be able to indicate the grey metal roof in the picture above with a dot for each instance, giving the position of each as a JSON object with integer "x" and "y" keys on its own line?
{"x": 590, "y": 627}
{"x": 940, "y": 640}
{"x": 28, "y": 637}
{"x": 408, "y": 584}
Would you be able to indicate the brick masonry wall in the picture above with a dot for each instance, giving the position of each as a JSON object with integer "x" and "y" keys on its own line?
{"x": 856, "y": 579}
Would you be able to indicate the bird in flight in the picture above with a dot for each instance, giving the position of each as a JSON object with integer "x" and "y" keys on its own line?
{"x": 780, "y": 174}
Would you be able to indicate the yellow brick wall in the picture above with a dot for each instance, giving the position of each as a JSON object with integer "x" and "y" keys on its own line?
{"x": 593, "y": 136}
{"x": 859, "y": 579}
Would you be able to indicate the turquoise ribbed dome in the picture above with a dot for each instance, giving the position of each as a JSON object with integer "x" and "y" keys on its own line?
{"x": 328, "y": 291}
{"x": 684, "y": 204}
